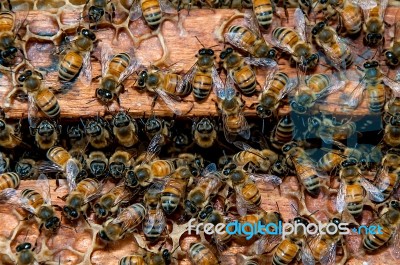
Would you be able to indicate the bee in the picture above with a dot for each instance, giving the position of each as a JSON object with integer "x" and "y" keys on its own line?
{"x": 263, "y": 11}
{"x": 203, "y": 76}
{"x": 154, "y": 222}
{"x": 305, "y": 168}
{"x": 27, "y": 168}
{"x": 152, "y": 11}
{"x": 201, "y": 254}
{"x": 276, "y": 87}
{"x": 392, "y": 54}
{"x": 239, "y": 70}
{"x": 132, "y": 260}
{"x": 76, "y": 136}
{"x": 159, "y": 126}
{"x": 392, "y": 107}
{"x": 389, "y": 222}
{"x": 387, "y": 177}
{"x": 4, "y": 162}
{"x": 165, "y": 85}
{"x": 96, "y": 9}
{"x": 25, "y": 254}
{"x": 351, "y": 194}
{"x": 125, "y": 129}
{"x": 125, "y": 222}
{"x": 99, "y": 133}
{"x": 261, "y": 159}
{"x": 294, "y": 42}
{"x": 10, "y": 136}
{"x": 110, "y": 202}
{"x": 207, "y": 186}
{"x": 334, "y": 47}
{"x": 283, "y": 132}
{"x": 97, "y": 163}
{"x": 79, "y": 196}
{"x": 312, "y": 90}
{"x": 234, "y": 122}
{"x": 38, "y": 94}
{"x": 159, "y": 258}
{"x": 115, "y": 69}
{"x": 119, "y": 162}
{"x": 204, "y": 133}
{"x": 38, "y": 203}
{"x": 194, "y": 162}
{"x": 174, "y": 190}
{"x": 46, "y": 134}
{"x": 250, "y": 40}
{"x": 9, "y": 180}
{"x": 374, "y": 25}
{"x": 350, "y": 17}
{"x": 391, "y": 136}
{"x": 76, "y": 58}
{"x": 329, "y": 130}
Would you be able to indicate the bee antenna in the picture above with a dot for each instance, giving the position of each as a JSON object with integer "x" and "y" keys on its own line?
{"x": 277, "y": 206}
{"x": 297, "y": 212}
{"x": 313, "y": 213}
{"x": 199, "y": 41}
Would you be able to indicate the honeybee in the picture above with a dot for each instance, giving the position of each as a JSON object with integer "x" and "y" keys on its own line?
{"x": 163, "y": 84}
{"x": 194, "y": 162}
{"x": 27, "y": 168}
{"x": 46, "y": 134}
{"x": 261, "y": 159}
{"x": 282, "y": 133}
{"x": 329, "y": 130}
{"x": 391, "y": 136}
{"x": 351, "y": 195}
{"x": 96, "y": 9}
{"x": 97, "y": 163}
{"x": 388, "y": 222}
{"x": 387, "y": 177}
{"x": 25, "y": 254}
{"x": 335, "y": 48}
{"x": 76, "y": 58}
{"x": 204, "y": 133}
{"x": 119, "y": 162}
{"x": 392, "y": 54}
{"x": 115, "y": 69}
{"x": 99, "y": 133}
{"x": 250, "y": 40}
{"x": 135, "y": 259}
{"x": 152, "y": 11}
{"x": 76, "y": 136}
{"x": 125, "y": 222}
{"x": 306, "y": 171}
{"x": 374, "y": 25}
{"x": 159, "y": 126}
{"x": 207, "y": 186}
{"x": 277, "y": 86}
{"x": 125, "y": 129}
{"x": 294, "y": 42}
{"x": 4, "y": 162}
{"x": 240, "y": 71}
{"x": 110, "y": 202}
{"x": 201, "y": 254}
{"x": 202, "y": 76}
{"x": 38, "y": 94}
{"x": 349, "y": 16}
{"x": 392, "y": 107}
{"x": 10, "y": 136}
{"x": 154, "y": 222}
{"x": 312, "y": 90}
{"x": 9, "y": 180}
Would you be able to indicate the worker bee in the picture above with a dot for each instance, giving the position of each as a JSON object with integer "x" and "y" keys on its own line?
{"x": 392, "y": 107}
{"x": 125, "y": 222}
{"x": 239, "y": 70}
{"x": 25, "y": 254}
{"x": 163, "y": 84}
{"x": 314, "y": 89}
{"x": 277, "y": 86}
{"x": 202, "y": 76}
{"x": 283, "y": 132}
{"x": 306, "y": 171}
{"x": 388, "y": 222}
{"x": 201, "y": 254}
{"x": 119, "y": 162}
{"x": 294, "y": 42}
{"x": 251, "y": 41}
{"x": 154, "y": 222}
{"x": 115, "y": 69}
{"x": 204, "y": 133}
{"x": 110, "y": 202}
{"x": 261, "y": 159}
{"x": 387, "y": 177}
{"x": 46, "y": 134}
{"x": 99, "y": 133}
{"x": 152, "y": 11}
{"x": 76, "y": 58}
{"x": 392, "y": 54}
{"x": 10, "y": 136}
{"x": 391, "y": 136}
{"x": 96, "y": 9}
{"x": 8, "y": 180}
{"x": 163, "y": 257}
{"x": 374, "y": 25}
{"x": 125, "y": 129}
{"x": 97, "y": 164}
{"x": 231, "y": 106}
{"x": 76, "y": 136}
{"x": 330, "y": 130}
{"x": 351, "y": 195}
{"x": 154, "y": 126}
{"x": 334, "y": 47}
{"x": 135, "y": 259}
{"x": 207, "y": 186}
{"x": 38, "y": 94}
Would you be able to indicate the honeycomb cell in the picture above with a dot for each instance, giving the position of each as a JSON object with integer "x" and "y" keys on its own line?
{"x": 47, "y": 26}
{"x": 48, "y": 4}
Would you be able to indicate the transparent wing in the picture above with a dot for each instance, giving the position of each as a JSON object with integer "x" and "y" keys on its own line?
{"x": 383, "y": 173}
{"x": 337, "y": 59}
{"x": 218, "y": 85}
{"x": 48, "y": 167}
{"x": 382, "y": 8}
{"x": 269, "y": 78}
{"x": 106, "y": 56}
{"x": 136, "y": 11}
{"x": 71, "y": 171}
{"x": 9, "y": 196}
{"x": 154, "y": 220}
{"x": 187, "y": 78}
{"x": 374, "y": 193}
{"x": 262, "y": 62}
{"x": 86, "y": 76}
{"x": 169, "y": 101}
{"x": 245, "y": 131}
{"x": 393, "y": 84}
{"x": 33, "y": 120}
{"x": 236, "y": 40}
{"x": 335, "y": 86}
{"x": 209, "y": 169}
{"x": 300, "y": 24}
{"x": 289, "y": 87}
{"x": 245, "y": 147}
{"x": 133, "y": 66}
{"x": 329, "y": 258}
{"x": 354, "y": 98}
{"x": 266, "y": 244}
{"x": 306, "y": 256}
{"x": 395, "y": 244}
{"x": 266, "y": 178}
{"x": 153, "y": 149}
{"x": 340, "y": 198}
{"x": 43, "y": 185}
{"x": 167, "y": 7}
{"x": 365, "y": 4}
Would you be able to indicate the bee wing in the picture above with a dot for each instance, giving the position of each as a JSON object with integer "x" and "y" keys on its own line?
{"x": 337, "y": 61}
{"x": 86, "y": 76}
{"x": 228, "y": 92}
{"x": 382, "y": 8}
{"x": 169, "y": 101}
{"x": 243, "y": 146}
{"x": 166, "y": 7}
{"x": 340, "y": 198}
{"x": 374, "y": 193}
{"x": 153, "y": 149}
{"x": 242, "y": 123}
{"x": 266, "y": 178}
{"x": 290, "y": 86}
{"x": 329, "y": 257}
{"x": 263, "y": 62}
{"x": 335, "y": 86}
{"x": 300, "y": 25}
{"x": 71, "y": 171}
{"x": 106, "y": 56}
{"x": 306, "y": 255}
{"x": 240, "y": 204}
{"x": 48, "y": 167}
{"x": 265, "y": 244}
{"x": 136, "y": 11}
{"x": 133, "y": 65}
{"x": 9, "y": 195}
{"x": 395, "y": 244}
{"x": 43, "y": 185}
{"x": 209, "y": 169}
{"x": 236, "y": 40}
{"x": 33, "y": 120}
{"x": 383, "y": 171}
{"x": 151, "y": 220}
{"x": 365, "y": 4}
{"x": 354, "y": 99}
{"x": 393, "y": 84}
{"x": 218, "y": 85}
{"x": 187, "y": 78}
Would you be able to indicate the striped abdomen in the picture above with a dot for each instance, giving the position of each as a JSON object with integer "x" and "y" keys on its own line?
{"x": 202, "y": 84}
{"x": 354, "y": 198}
{"x": 377, "y": 97}
{"x": 6, "y": 21}
{"x": 263, "y": 11}
{"x": 285, "y": 253}
{"x": 70, "y": 66}
{"x": 9, "y": 180}
{"x": 47, "y": 102}
{"x": 34, "y": 198}
{"x": 88, "y": 187}
{"x": 152, "y": 12}
{"x": 118, "y": 64}
{"x": 245, "y": 78}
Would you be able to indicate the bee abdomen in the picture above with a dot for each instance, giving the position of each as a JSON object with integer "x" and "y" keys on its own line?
{"x": 263, "y": 12}
{"x": 70, "y": 65}
{"x": 152, "y": 12}
{"x": 9, "y": 180}
{"x": 118, "y": 64}
{"x": 48, "y": 103}
{"x": 201, "y": 84}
